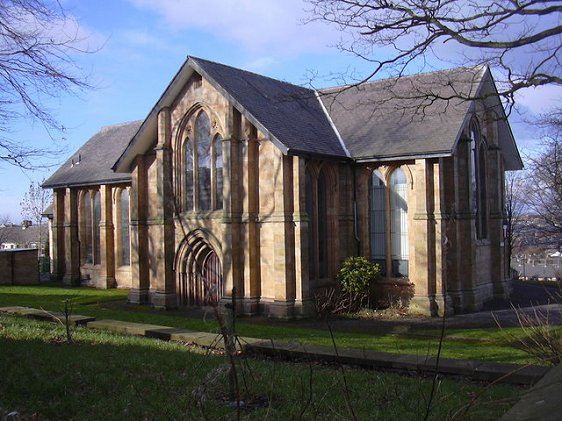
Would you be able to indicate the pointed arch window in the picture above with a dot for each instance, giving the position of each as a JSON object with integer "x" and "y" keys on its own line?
{"x": 188, "y": 173}
{"x": 399, "y": 222}
{"x": 377, "y": 219}
{"x": 317, "y": 207}
{"x": 479, "y": 205}
{"x": 202, "y": 167}
{"x": 388, "y": 222}
{"x": 96, "y": 228}
{"x": 125, "y": 233}
{"x": 322, "y": 242}
{"x": 203, "y": 142}
{"x": 310, "y": 206}
{"x": 217, "y": 153}
{"x": 88, "y": 229}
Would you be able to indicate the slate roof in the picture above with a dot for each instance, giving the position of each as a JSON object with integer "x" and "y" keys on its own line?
{"x": 291, "y": 114}
{"x": 382, "y": 120}
{"x": 23, "y": 237}
{"x": 410, "y": 116}
{"x": 91, "y": 164}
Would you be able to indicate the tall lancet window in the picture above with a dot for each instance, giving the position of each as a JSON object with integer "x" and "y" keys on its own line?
{"x": 478, "y": 150}
{"x": 202, "y": 164}
{"x": 188, "y": 174}
{"x": 377, "y": 219}
{"x": 125, "y": 235}
{"x": 97, "y": 233}
{"x": 88, "y": 229}
{"x": 203, "y": 142}
{"x": 217, "y": 151}
{"x": 399, "y": 222}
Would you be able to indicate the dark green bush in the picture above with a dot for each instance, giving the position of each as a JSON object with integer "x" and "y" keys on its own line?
{"x": 355, "y": 278}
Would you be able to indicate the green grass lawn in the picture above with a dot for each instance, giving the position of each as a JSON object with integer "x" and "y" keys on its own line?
{"x": 492, "y": 345}
{"x": 108, "y": 376}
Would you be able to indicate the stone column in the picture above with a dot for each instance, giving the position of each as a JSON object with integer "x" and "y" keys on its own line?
{"x": 464, "y": 296}
{"x": 304, "y": 305}
{"x": 71, "y": 250}
{"x": 57, "y": 232}
{"x": 447, "y": 199}
{"x": 283, "y": 239}
{"x": 422, "y": 268}
{"x": 249, "y": 228}
{"x": 138, "y": 294}
{"x": 107, "y": 244}
{"x": 440, "y": 245}
{"x": 495, "y": 191}
{"x": 233, "y": 274}
{"x": 161, "y": 228}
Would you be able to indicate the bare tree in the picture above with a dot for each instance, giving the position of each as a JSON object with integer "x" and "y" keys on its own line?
{"x": 521, "y": 39}
{"x": 514, "y": 209}
{"x": 37, "y": 43}
{"x": 543, "y": 193}
{"x": 5, "y": 221}
{"x": 34, "y": 202}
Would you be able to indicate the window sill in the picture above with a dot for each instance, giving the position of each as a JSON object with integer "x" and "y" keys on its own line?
{"x": 394, "y": 281}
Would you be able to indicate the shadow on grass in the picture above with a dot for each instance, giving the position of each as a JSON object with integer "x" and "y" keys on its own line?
{"x": 377, "y": 335}
{"x": 106, "y": 376}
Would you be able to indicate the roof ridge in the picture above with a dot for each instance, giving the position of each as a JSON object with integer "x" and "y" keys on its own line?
{"x": 250, "y": 73}
{"x": 117, "y": 125}
{"x": 477, "y": 67}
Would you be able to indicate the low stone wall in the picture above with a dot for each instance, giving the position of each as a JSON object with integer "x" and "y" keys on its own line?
{"x": 19, "y": 267}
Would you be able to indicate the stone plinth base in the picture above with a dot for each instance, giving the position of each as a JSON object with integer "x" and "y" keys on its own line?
{"x": 246, "y": 306}
{"x": 432, "y": 305}
{"x": 71, "y": 280}
{"x": 288, "y": 310}
{"x": 163, "y": 300}
{"x": 138, "y": 296}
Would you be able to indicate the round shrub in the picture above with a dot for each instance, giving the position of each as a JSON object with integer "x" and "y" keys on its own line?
{"x": 356, "y": 275}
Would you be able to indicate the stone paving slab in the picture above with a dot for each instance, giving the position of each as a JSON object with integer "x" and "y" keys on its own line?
{"x": 211, "y": 340}
{"x": 51, "y": 316}
{"x": 130, "y": 328}
{"x": 475, "y": 370}
{"x": 541, "y": 402}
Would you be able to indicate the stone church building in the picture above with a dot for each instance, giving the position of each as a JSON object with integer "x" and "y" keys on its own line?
{"x": 236, "y": 180}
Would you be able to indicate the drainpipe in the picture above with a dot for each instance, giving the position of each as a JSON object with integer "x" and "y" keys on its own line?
{"x": 355, "y": 217}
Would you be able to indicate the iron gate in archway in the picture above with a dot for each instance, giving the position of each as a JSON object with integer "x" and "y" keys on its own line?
{"x": 199, "y": 275}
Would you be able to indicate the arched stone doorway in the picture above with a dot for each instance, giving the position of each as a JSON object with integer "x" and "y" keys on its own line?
{"x": 199, "y": 280}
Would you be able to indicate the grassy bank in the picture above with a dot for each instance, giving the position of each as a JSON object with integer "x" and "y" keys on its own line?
{"x": 110, "y": 376}
{"x": 479, "y": 344}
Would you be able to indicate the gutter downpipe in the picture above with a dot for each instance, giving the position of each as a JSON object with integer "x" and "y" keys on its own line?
{"x": 355, "y": 216}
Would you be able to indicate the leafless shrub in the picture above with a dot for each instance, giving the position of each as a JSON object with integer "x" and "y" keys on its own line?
{"x": 65, "y": 319}
{"x": 540, "y": 339}
{"x": 328, "y": 301}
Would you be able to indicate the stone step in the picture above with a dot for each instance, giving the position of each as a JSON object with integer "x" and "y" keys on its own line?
{"x": 475, "y": 370}
{"x": 52, "y": 316}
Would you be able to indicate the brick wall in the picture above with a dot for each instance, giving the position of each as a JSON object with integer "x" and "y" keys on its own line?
{"x": 19, "y": 267}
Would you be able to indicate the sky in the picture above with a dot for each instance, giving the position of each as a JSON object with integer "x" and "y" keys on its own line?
{"x": 137, "y": 46}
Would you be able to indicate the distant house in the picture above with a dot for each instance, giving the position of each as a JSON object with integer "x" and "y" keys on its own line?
{"x": 236, "y": 181}
{"x": 25, "y": 235}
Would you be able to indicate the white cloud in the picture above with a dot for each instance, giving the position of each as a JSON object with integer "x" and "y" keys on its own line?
{"x": 260, "y": 64}
{"x": 541, "y": 99}
{"x": 258, "y": 26}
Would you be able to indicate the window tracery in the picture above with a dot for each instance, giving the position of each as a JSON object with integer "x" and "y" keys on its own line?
{"x": 202, "y": 165}
{"x": 388, "y": 222}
